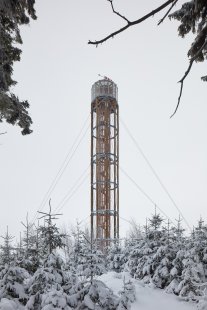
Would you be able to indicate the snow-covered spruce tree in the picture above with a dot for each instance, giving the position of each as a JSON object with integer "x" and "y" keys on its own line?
{"x": 193, "y": 274}
{"x": 7, "y": 255}
{"x": 191, "y": 279}
{"x": 155, "y": 239}
{"x": 137, "y": 248}
{"x": 128, "y": 296}
{"x": 87, "y": 260}
{"x": 13, "y": 14}
{"x": 46, "y": 286}
{"x": 28, "y": 256}
{"x": 145, "y": 261}
{"x": 12, "y": 285}
{"x": 179, "y": 245}
{"x": 164, "y": 257}
{"x": 199, "y": 249}
{"x": 176, "y": 272}
{"x": 95, "y": 262}
{"x": 115, "y": 258}
{"x": 68, "y": 248}
{"x": 134, "y": 237}
{"x": 80, "y": 252}
{"x": 135, "y": 231}
{"x": 83, "y": 291}
{"x": 56, "y": 299}
{"x": 50, "y": 236}
{"x": 127, "y": 247}
{"x": 189, "y": 266}
{"x": 95, "y": 295}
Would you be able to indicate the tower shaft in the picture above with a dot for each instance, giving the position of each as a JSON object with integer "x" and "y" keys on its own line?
{"x": 104, "y": 163}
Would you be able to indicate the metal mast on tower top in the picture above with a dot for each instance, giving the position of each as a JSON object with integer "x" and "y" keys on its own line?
{"x": 104, "y": 163}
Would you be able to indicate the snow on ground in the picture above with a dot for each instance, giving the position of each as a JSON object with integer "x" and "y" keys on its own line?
{"x": 6, "y": 304}
{"x": 146, "y": 298}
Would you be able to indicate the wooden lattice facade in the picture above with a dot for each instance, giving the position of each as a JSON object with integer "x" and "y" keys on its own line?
{"x": 104, "y": 163}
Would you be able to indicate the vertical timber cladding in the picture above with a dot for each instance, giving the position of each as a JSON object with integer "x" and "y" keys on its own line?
{"x": 104, "y": 163}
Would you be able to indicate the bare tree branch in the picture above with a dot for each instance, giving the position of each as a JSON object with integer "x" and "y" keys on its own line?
{"x": 117, "y": 13}
{"x": 167, "y": 13}
{"x": 171, "y": 4}
{"x": 186, "y": 74}
{"x": 129, "y": 23}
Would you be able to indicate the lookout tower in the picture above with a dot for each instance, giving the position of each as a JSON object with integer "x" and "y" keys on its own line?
{"x": 104, "y": 162}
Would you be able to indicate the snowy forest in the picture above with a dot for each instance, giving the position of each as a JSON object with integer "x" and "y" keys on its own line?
{"x": 51, "y": 268}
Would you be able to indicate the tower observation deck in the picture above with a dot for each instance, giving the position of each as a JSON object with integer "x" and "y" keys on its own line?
{"x": 104, "y": 163}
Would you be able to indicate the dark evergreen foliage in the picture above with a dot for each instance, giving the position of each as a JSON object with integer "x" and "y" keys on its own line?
{"x": 13, "y": 14}
{"x": 193, "y": 18}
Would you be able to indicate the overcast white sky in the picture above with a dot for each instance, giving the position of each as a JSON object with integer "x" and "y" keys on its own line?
{"x": 56, "y": 73}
